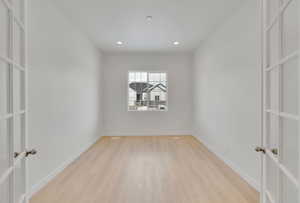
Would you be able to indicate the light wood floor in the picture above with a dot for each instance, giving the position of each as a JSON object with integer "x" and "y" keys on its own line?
{"x": 147, "y": 170}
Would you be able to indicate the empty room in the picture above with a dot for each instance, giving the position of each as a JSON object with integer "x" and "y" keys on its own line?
{"x": 158, "y": 101}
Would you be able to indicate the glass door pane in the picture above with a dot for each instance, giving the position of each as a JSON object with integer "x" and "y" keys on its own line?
{"x": 4, "y": 146}
{"x": 4, "y": 27}
{"x": 273, "y": 7}
{"x": 271, "y": 179}
{"x": 273, "y": 41}
{"x": 290, "y": 28}
{"x": 4, "y": 68}
{"x": 290, "y": 146}
{"x": 19, "y": 189}
{"x": 5, "y": 191}
{"x": 289, "y": 190}
{"x": 290, "y": 86}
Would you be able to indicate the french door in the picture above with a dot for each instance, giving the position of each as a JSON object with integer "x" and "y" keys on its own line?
{"x": 13, "y": 102}
{"x": 281, "y": 98}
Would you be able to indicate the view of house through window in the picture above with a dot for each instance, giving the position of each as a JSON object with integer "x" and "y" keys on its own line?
{"x": 147, "y": 91}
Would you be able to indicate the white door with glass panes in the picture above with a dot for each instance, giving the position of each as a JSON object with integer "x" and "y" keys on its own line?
{"x": 13, "y": 102}
{"x": 280, "y": 140}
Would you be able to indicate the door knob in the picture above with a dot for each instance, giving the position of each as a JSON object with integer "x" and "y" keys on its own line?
{"x": 274, "y": 151}
{"x": 260, "y": 149}
{"x": 16, "y": 154}
{"x": 31, "y": 152}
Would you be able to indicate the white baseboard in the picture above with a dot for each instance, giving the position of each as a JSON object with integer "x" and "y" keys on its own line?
{"x": 250, "y": 180}
{"x": 150, "y": 133}
{"x": 37, "y": 187}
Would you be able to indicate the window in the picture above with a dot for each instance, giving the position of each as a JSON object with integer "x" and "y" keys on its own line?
{"x": 147, "y": 91}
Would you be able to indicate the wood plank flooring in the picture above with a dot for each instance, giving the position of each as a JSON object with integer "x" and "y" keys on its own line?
{"x": 165, "y": 169}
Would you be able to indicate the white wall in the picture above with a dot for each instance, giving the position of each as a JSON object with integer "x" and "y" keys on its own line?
{"x": 227, "y": 92}
{"x": 64, "y": 90}
{"x": 178, "y": 118}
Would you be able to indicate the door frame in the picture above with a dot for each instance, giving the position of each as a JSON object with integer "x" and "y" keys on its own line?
{"x": 299, "y": 100}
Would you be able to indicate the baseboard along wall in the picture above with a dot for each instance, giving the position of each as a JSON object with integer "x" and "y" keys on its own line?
{"x": 250, "y": 180}
{"x": 43, "y": 182}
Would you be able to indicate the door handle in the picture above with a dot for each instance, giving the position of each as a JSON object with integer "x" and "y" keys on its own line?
{"x": 260, "y": 149}
{"x": 31, "y": 152}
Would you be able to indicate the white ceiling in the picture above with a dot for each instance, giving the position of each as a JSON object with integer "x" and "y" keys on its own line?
{"x": 109, "y": 21}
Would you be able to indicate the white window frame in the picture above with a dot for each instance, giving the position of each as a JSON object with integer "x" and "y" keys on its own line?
{"x": 167, "y": 93}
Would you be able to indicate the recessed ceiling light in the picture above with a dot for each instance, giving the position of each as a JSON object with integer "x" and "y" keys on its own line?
{"x": 149, "y": 18}
{"x": 119, "y": 43}
{"x": 176, "y": 43}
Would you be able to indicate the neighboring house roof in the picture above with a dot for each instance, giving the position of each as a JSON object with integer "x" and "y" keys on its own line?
{"x": 141, "y": 87}
{"x": 159, "y": 85}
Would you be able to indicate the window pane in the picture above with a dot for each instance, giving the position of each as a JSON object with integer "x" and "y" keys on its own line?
{"x": 131, "y": 76}
{"x": 147, "y": 91}
{"x": 163, "y": 77}
{"x": 138, "y": 76}
{"x": 144, "y": 77}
